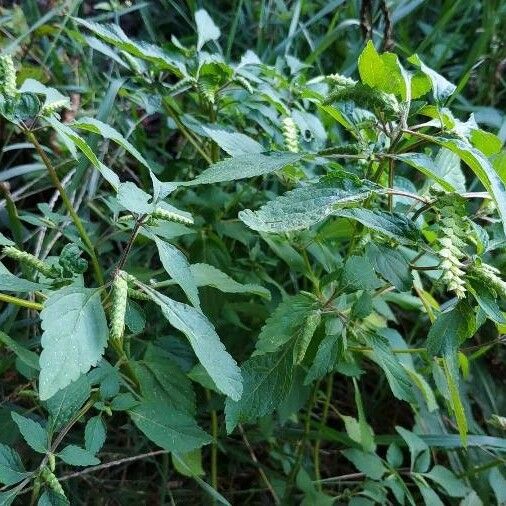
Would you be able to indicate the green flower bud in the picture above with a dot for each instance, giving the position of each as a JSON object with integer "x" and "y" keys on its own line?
{"x": 7, "y": 76}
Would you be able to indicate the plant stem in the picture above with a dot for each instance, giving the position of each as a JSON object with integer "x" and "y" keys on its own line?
{"x": 214, "y": 445}
{"x": 68, "y": 205}
{"x": 323, "y": 421}
{"x": 20, "y": 302}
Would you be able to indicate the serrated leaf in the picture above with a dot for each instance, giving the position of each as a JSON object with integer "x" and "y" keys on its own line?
{"x": 285, "y": 323}
{"x": 394, "y": 225}
{"x": 309, "y": 327}
{"x": 448, "y": 481}
{"x": 11, "y": 467}
{"x": 178, "y": 268}
{"x": 170, "y": 429}
{"x": 65, "y": 403}
{"x": 77, "y": 456}
{"x": 418, "y": 449}
{"x": 267, "y": 380}
{"x": 161, "y": 380}
{"x": 448, "y": 166}
{"x": 381, "y": 71}
{"x": 52, "y": 498}
{"x": 74, "y": 338}
{"x": 208, "y": 275}
{"x": 245, "y": 166}
{"x": 382, "y": 354}
{"x": 94, "y": 434}
{"x": 33, "y": 433}
{"x": 391, "y": 264}
{"x": 327, "y": 356}
{"x": 308, "y": 205}
{"x": 358, "y": 274}
{"x": 205, "y": 343}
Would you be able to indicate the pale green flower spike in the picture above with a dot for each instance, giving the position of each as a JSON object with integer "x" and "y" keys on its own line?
{"x": 452, "y": 267}
{"x": 49, "y": 109}
{"x": 119, "y": 296}
{"x": 491, "y": 276}
{"x": 7, "y": 76}
{"x": 290, "y": 133}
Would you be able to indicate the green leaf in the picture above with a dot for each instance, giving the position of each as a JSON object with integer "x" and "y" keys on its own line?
{"x": 368, "y": 463}
{"x": 11, "y": 283}
{"x": 451, "y": 329}
{"x": 65, "y": 403}
{"x": 114, "y": 35}
{"x": 394, "y": 225}
{"x": 267, "y": 380}
{"x": 302, "y": 343}
{"x": 74, "y": 338}
{"x": 208, "y": 275}
{"x": 172, "y": 430}
{"x": 358, "y": 274}
{"x": 73, "y": 140}
{"x": 206, "y": 29}
{"x": 131, "y": 197}
{"x": 28, "y": 357}
{"x": 391, "y": 264}
{"x": 285, "y": 323}
{"x": 329, "y": 352}
{"x": 487, "y": 300}
{"x": 483, "y": 169}
{"x": 205, "y": 343}
{"x": 245, "y": 166}
{"x": 178, "y": 268}
{"x": 381, "y": 71}
{"x": 52, "y": 498}
{"x": 418, "y": 449}
{"x": 498, "y": 484}
{"x": 448, "y": 168}
{"x": 189, "y": 464}
{"x": 442, "y": 89}
{"x": 33, "y": 433}
{"x": 398, "y": 379}
{"x": 11, "y": 467}
{"x": 233, "y": 143}
{"x": 452, "y": 378}
{"x": 94, "y": 434}
{"x": 76, "y": 456}
{"x": 448, "y": 481}
{"x": 426, "y": 165}
{"x": 108, "y": 132}
{"x": 161, "y": 380}
{"x": 308, "y": 205}
{"x": 53, "y": 96}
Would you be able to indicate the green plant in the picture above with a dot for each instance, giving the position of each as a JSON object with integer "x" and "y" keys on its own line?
{"x": 347, "y": 202}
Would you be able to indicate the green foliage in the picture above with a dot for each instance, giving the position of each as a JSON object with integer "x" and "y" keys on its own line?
{"x": 283, "y": 265}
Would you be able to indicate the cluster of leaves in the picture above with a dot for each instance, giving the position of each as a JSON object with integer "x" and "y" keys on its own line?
{"x": 343, "y": 236}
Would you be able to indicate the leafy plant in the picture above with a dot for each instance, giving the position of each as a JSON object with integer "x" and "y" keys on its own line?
{"x": 345, "y": 238}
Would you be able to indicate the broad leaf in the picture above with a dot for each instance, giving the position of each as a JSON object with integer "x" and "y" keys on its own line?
{"x": 394, "y": 225}
{"x": 285, "y": 323}
{"x": 76, "y": 456}
{"x": 267, "y": 380}
{"x": 208, "y": 275}
{"x": 172, "y": 430}
{"x": 368, "y": 463}
{"x": 33, "y": 433}
{"x": 245, "y": 166}
{"x": 11, "y": 467}
{"x": 206, "y": 29}
{"x": 74, "y": 338}
{"x": 442, "y": 89}
{"x": 308, "y": 205}
{"x": 205, "y": 343}
{"x": 94, "y": 434}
